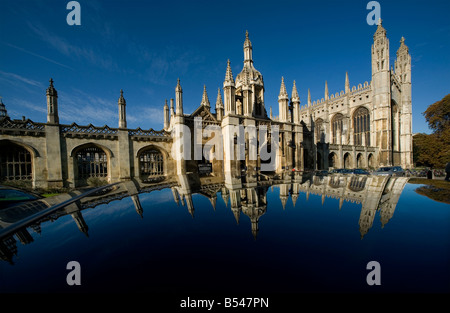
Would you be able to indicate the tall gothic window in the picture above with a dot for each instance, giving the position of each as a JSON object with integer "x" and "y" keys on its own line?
{"x": 337, "y": 127}
{"x": 361, "y": 126}
{"x": 92, "y": 162}
{"x": 15, "y": 163}
{"x": 151, "y": 162}
{"x": 320, "y": 130}
{"x": 395, "y": 118}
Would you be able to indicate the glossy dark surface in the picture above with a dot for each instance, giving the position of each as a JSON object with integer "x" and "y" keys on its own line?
{"x": 309, "y": 247}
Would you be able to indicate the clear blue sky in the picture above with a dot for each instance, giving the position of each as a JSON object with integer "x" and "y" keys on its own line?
{"x": 142, "y": 47}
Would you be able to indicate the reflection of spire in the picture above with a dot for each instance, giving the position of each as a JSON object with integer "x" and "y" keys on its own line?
{"x": 176, "y": 197}
{"x": 82, "y": 226}
{"x": 137, "y": 205}
{"x": 341, "y": 201}
{"x": 225, "y": 196}
{"x": 236, "y": 213}
{"x": 294, "y": 199}
{"x": 190, "y": 204}
{"x": 213, "y": 202}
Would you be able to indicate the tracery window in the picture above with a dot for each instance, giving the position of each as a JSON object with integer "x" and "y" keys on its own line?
{"x": 337, "y": 127}
{"x": 320, "y": 130}
{"x": 92, "y": 162}
{"x": 15, "y": 163}
{"x": 361, "y": 126}
{"x": 151, "y": 162}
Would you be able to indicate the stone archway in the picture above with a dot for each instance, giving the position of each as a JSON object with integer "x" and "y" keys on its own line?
{"x": 332, "y": 160}
{"x": 360, "y": 161}
{"x": 348, "y": 161}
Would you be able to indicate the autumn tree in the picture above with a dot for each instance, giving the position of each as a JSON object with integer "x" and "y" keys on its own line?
{"x": 434, "y": 149}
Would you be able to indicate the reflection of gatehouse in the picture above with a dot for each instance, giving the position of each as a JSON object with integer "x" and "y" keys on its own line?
{"x": 360, "y": 127}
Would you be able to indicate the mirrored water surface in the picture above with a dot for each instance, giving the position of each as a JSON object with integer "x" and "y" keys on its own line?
{"x": 282, "y": 233}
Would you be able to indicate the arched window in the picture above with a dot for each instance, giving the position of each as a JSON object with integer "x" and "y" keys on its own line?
{"x": 15, "y": 162}
{"x": 361, "y": 127}
{"x": 151, "y": 163}
{"x": 332, "y": 160}
{"x": 395, "y": 118}
{"x": 92, "y": 162}
{"x": 348, "y": 162}
{"x": 337, "y": 127}
{"x": 320, "y": 130}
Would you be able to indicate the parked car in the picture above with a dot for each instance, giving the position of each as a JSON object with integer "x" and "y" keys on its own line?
{"x": 360, "y": 171}
{"x": 390, "y": 170}
{"x": 341, "y": 171}
{"x": 321, "y": 173}
{"x": 10, "y": 196}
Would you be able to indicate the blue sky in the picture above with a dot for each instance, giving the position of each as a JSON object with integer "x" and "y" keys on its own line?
{"x": 142, "y": 47}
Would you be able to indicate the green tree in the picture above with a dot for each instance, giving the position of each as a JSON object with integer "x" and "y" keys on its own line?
{"x": 434, "y": 150}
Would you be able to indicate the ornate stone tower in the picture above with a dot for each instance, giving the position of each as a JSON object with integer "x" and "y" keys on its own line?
{"x": 381, "y": 93}
{"x": 52, "y": 104}
{"x": 249, "y": 86}
{"x": 229, "y": 91}
{"x": 283, "y": 103}
{"x": 403, "y": 70}
{"x": 219, "y": 106}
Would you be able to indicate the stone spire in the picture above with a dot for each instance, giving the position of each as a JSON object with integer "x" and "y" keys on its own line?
{"x": 380, "y": 29}
{"x": 347, "y": 83}
{"x": 326, "y": 91}
{"x": 229, "y": 75}
{"x": 271, "y": 116}
{"x": 283, "y": 93}
{"x": 248, "y": 59}
{"x": 295, "y": 99}
{"x": 295, "y": 95}
{"x": 205, "y": 100}
{"x": 166, "y": 116}
{"x": 283, "y": 103}
{"x": 122, "y": 112}
{"x": 219, "y": 105}
{"x": 52, "y": 104}
{"x": 178, "y": 99}
{"x": 172, "y": 109}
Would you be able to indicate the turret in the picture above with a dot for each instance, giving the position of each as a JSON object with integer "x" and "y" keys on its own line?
{"x": 122, "y": 112}
{"x": 347, "y": 83}
{"x": 52, "y": 104}
{"x": 172, "y": 109}
{"x": 219, "y": 106}
{"x": 283, "y": 100}
{"x": 166, "y": 116}
{"x": 326, "y": 91}
{"x": 381, "y": 92}
{"x": 179, "y": 99}
{"x": 295, "y": 99}
{"x": 229, "y": 92}
{"x": 205, "y": 100}
{"x": 403, "y": 71}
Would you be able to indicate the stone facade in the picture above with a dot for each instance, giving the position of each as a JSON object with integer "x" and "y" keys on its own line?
{"x": 364, "y": 126}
